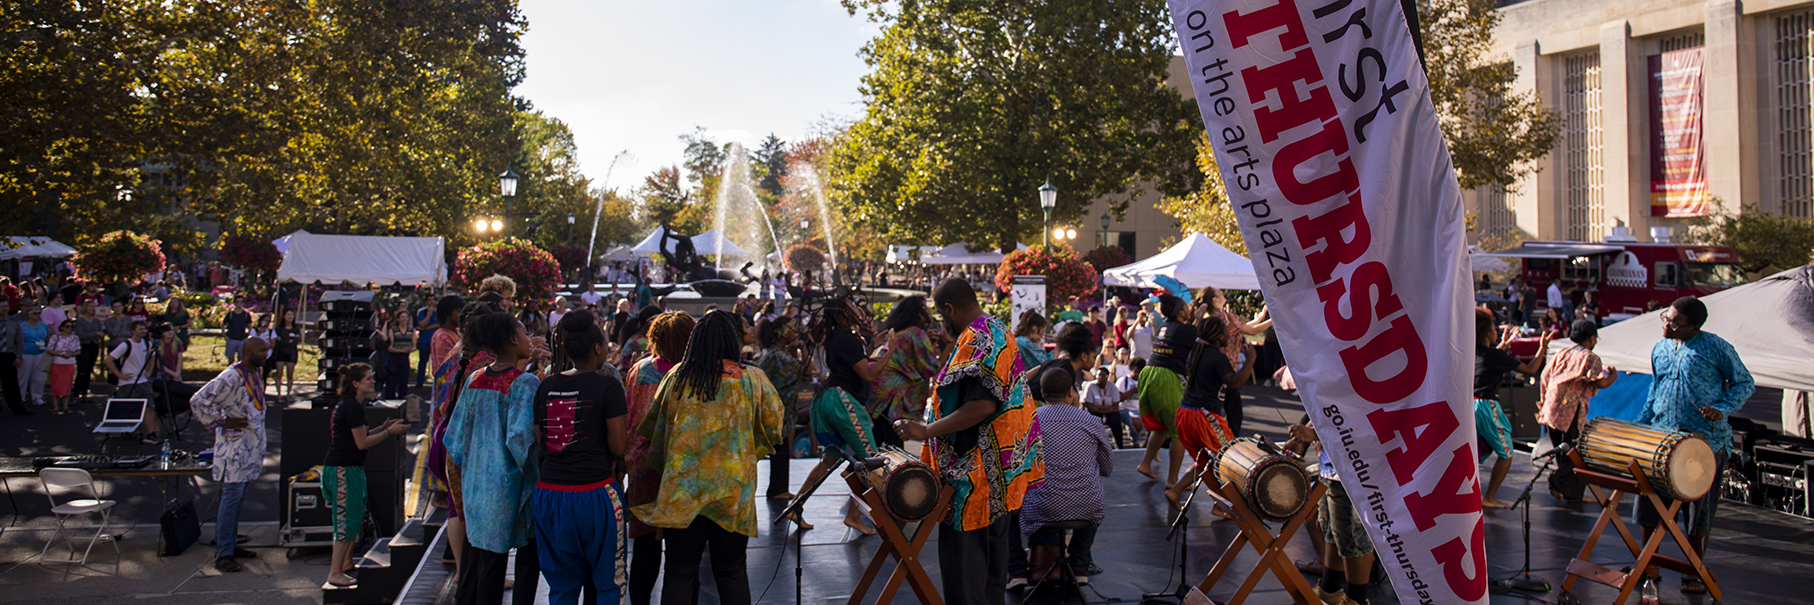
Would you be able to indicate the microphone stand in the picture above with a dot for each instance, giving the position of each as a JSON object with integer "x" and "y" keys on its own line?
{"x": 1180, "y": 528}
{"x": 1526, "y": 584}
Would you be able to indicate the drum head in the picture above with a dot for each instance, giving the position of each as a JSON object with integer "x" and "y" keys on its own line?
{"x": 1691, "y": 469}
{"x": 911, "y": 493}
{"x": 1280, "y": 490}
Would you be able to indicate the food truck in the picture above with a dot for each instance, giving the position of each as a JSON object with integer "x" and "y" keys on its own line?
{"x": 1628, "y": 276}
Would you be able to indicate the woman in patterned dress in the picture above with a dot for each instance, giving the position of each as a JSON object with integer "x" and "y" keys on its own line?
{"x": 900, "y": 392}
{"x": 1238, "y": 330}
{"x": 668, "y": 334}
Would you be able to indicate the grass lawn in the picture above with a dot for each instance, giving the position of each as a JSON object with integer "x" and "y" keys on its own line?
{"x": 205, "y": 359}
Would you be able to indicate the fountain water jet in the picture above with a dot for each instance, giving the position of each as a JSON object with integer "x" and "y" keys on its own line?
{"x": 810, "y": 178}
{"x": 737, "y": 209}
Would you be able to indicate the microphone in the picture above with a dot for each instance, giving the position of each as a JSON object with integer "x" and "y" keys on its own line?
{"x": 1557, "y": 451}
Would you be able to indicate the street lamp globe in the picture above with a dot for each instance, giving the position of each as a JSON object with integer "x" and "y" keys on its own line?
{"x": 1058, "y": 233}
{"x": 1070, "y": 234}
{"x": 1048, "y": 195}
{"x": 570, "y": 218}
{"x": 497, "y": 225}
{"x": 1105, "y": 221}
{"x": 507, "y": 183}
{"x": 804, "y": 224}
{"x": 480, "y": 225}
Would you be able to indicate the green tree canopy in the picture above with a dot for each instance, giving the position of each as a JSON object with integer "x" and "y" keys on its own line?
{"x": 971, "y": 106}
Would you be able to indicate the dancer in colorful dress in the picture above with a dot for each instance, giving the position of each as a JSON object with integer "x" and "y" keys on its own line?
{"x": 668, "y": 335}
{"x": 490, "y": 438}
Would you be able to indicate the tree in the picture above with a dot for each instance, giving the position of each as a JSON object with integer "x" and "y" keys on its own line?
{"x": 1762, "y": 240}
{"x": 971, "y": 106}
{"x": 772, "y": 156}
{"x": 1206, "y": 210}
{"x": 665, "y": 200}
{"x": 1494, "y": 135}
{"x": 1107, "y": 257}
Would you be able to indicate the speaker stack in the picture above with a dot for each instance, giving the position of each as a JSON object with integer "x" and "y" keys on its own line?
{"x": 346, "y": 337}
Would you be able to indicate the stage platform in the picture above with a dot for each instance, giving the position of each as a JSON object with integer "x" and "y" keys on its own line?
{"x": 1760, "y": 556}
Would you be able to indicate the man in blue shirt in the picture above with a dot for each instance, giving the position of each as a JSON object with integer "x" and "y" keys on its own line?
{"x": 1699, "y": 382}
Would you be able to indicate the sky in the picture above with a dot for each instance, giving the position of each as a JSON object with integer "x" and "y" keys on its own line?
{"x": 635, "y": 76}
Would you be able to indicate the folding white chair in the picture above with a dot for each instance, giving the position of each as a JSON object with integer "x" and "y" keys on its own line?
{"x": 73, "y": 479}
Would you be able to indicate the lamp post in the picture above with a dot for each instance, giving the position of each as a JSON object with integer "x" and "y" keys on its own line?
{"x": 506, "y": 188}
{"x": 570, "y": 228}
{"x": 1048, "y": 199}
{"x": 1105, "y": 229}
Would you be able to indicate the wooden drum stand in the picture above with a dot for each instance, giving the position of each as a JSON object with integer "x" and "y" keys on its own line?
{"x": 895, "y": 544}
{"x": 1271, "y": 547}
{"x": 1641, "y": 486}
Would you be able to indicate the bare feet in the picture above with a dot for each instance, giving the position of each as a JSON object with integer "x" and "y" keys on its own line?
{"x": 799, "y": 521}
{"x": 1219, "y": 511}
{"x": 1491, "y": 502}
{"x": 782, "y": 496}
{"x": 1172, "y": 497}
{"x": 859, "y": 526}
{"x": 341, "y": 580}
{"x": 1149, "y": 474}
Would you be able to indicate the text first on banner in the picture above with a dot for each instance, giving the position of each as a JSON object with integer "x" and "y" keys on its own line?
{"x": 1335, "y": 165}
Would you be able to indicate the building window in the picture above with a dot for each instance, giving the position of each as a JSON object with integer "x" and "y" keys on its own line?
{"x": 1794, "y": 135}
{"x": 1680, "y": 42}
{"x": 1583, "y": 143}
{"x": 1496, "y": 215}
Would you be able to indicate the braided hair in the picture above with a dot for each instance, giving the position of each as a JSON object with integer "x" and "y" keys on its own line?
{"x": 909, "y": 312}
{"x": 718, "y": 338}
{"x": 468, "y": 348}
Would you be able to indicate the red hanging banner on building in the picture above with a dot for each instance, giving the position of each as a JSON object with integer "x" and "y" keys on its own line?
{"x": 1678, "y": 158}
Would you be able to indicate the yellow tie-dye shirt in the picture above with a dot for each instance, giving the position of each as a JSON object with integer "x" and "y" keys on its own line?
{"x": 706, "y": 451}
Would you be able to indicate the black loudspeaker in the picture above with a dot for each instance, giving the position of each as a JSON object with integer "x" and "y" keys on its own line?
{"x": 346, "y": 327}
{"x": 1520, "y": 405}
{"x": 305, "y": 445}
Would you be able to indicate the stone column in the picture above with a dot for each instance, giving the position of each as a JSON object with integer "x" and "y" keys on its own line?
{"x": 1625, "y": 120}
{"x": 1534, "y": 200}
{"x": 1729, "y": 134}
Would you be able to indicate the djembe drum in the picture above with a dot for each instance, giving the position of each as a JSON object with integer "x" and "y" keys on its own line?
{"x": 1679, "y": 464}
{"x": 1271, "y": 480}
{"x": 909, "y": 488}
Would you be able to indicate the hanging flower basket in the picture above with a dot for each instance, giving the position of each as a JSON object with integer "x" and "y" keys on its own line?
{"x": 250, "y": 253}
{"x": 535, "y": 271}
{"x": 1066, "y": 274}
{"x": 119, "y": 256}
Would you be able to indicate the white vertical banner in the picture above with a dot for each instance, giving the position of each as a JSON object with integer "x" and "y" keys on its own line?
{"x": 1029, "y": 295}
{"x": 1321, "y": 120}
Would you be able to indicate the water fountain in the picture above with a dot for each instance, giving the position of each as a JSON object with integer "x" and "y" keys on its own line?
{"x": 809, "y": 178}
{"x": 739, "y": 218}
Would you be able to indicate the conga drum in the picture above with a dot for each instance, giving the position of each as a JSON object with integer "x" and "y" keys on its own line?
{"x": 1274, "y": 485}
{"x": 909, "y": 488}
{"x": 1679, "y": 464}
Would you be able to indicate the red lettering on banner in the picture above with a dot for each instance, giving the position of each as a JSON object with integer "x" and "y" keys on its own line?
{"x": 1371, "y": 284}
{"x": 1332, "y": 139}
{"x": 1242, "y": 26}
{"x": 1421, "y": 430}
{"x": 1400, "y": 336}
{"x": 1450, "y": 554}
{"x": 1447, "y": 498}
{"x": 1293, "y": 111}
{"x": 1337, "y": 248}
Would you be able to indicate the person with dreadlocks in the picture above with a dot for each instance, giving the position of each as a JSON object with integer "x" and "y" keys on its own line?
{"x": 983, "y": 439}
{"x": 668, "y": 335}
{"x": 779, "y": 354}
{"x": 1162, "y": 385}
{"x": 449, "y": 368}
{"x": 712, "y": 419}
{"x": 490, "y": 437}
{"x": 580, "y": 436}
{"x": 1201, "y": 426}
{"x": 849, "y": 368}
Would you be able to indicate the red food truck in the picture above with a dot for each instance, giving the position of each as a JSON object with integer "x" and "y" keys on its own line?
{"x": 1628, "y": 276}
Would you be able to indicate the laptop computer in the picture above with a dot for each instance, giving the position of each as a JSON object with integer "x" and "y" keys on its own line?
{"x": 122, "y": 416}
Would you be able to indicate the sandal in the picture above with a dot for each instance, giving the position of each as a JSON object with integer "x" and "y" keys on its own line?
{"x": 1693, "y": 586}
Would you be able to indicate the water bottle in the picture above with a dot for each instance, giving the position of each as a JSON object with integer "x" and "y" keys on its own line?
{"x": 165, "y": 457}
{"x": 1647, "y": 591}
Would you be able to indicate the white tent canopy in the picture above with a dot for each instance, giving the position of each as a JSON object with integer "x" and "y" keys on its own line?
{"x": 34, "y": 247}
{"x": 1196, "y": 262}
{"x": 1770, "y": 323}
{"x": 283, "y": 243}
{"x": 960, "y": 254}
{"x": 713, "y": 242}
{"x": 362, "y": 259}
{"x": 1479, "y": 261}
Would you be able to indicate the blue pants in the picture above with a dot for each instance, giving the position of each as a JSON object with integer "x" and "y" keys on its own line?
{"x": 226, "y": 521}
{"x": 579, "y": 535}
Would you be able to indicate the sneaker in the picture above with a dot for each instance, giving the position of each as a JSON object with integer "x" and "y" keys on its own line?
{"x": 226, "y": 565}
{"x": 1088, "y": 570}
{"x": 1017, "y": 581}
{"x": 1333, "y": 598}
{"x": 241, "y": 553}
{"x": 1082, "y": 580}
